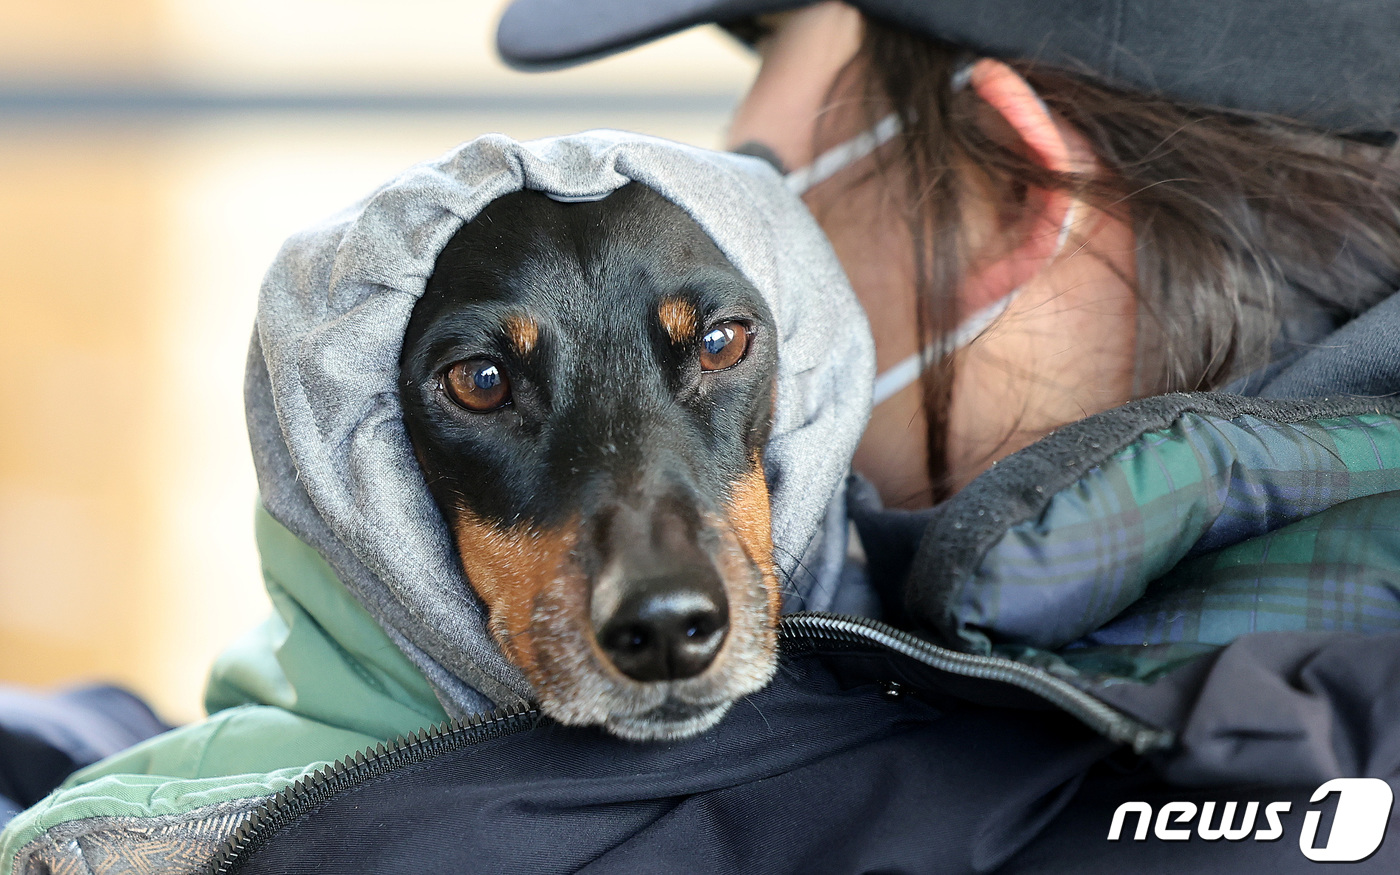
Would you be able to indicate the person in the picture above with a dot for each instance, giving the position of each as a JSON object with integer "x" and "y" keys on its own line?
{"x": 1198, "y": 231}
{"x": 1126, "y": 508}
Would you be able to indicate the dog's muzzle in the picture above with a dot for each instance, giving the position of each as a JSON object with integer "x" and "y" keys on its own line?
{"x": 659, "y": 609}
{"x": 667, "y": 630}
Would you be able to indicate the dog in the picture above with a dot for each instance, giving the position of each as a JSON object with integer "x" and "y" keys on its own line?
{"x": 588, "y": 388}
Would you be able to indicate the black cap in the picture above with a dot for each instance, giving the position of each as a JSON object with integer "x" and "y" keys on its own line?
{"x": 1330, "y": 63}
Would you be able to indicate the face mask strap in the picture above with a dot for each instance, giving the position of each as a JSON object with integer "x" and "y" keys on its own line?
{"x": 839, "y": 157}
{"x": 896, "y": 378}
{"x": 962, "y": 72}
{"x": 843, "y": 155}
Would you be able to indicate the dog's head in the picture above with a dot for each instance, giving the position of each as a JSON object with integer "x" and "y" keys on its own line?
{"x": 589, "y": 388}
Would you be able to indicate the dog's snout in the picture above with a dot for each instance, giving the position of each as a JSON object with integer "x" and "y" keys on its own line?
{"x": 667, "y": 628}
{"x": 660, "y": 613}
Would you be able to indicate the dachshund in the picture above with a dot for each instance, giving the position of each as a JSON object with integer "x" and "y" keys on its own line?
{"x": 588, "y": 388}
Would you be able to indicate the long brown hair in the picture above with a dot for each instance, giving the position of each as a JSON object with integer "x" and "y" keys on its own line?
{"x": 1242, "y": 221}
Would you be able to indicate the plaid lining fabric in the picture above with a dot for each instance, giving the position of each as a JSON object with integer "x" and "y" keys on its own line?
{"x": 1192, "y": 490}
{"x": 1337, "y": 570}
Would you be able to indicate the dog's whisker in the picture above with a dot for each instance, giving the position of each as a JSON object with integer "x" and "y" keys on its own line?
{"x": 787, "y": 585}
{"x": 761, "y": 715}
{"x": 581, "y": 509}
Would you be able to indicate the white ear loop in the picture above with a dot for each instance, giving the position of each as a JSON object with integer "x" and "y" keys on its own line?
{"x": 907, "y": 371}
{"x": 896, "y": 378}
{"x": 839, "y": 157}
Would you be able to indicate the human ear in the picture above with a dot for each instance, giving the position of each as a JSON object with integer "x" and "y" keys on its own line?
{"x": 1037, "y": 239}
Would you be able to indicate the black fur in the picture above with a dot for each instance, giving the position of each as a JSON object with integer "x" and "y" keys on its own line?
{"x": 605, "y": 399}
{"x": 616, "y": 447}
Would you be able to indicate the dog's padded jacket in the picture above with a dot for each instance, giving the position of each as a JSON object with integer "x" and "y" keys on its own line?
{"x": 1212, "y": 579}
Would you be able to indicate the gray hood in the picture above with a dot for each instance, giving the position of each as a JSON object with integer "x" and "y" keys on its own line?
{"x": 334, "y": 461}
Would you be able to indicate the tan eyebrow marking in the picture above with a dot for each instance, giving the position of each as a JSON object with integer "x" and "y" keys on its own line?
{"x": 523, "y": 331}
{"x": 679, "y": 319}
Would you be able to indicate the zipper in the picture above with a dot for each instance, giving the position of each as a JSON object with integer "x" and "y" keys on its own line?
{"x": 1102, "y": 718}
{"x": 313, "y": 789}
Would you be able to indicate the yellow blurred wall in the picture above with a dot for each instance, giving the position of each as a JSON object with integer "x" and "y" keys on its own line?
{"x": 80, "y": 218}
{"x": 132, "y": 241}
{"x": 74, "y": 40}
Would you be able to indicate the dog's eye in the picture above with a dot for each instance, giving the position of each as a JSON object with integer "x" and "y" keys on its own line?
{"x": 724, "y": 346}
{"x": 479, "y": 385}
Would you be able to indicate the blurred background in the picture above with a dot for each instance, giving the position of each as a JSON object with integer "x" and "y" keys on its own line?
{"x": 153, "y": 156}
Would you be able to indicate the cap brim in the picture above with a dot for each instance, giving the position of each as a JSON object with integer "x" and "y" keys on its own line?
{"x": 541, "y": 34}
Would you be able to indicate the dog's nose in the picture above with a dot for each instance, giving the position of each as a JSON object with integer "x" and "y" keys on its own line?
{"x": 666, "y": 628}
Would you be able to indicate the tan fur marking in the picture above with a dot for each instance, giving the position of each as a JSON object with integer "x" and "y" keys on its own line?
{"x": 752, "y": 522}
{"x": 538, "y": 598}
{"x": 679, "y": 319}
{"x": 510, "y": 568}
{"x": 524, "y": 333}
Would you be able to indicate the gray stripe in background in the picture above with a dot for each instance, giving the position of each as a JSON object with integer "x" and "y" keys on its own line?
{"x": 166, "y": 102}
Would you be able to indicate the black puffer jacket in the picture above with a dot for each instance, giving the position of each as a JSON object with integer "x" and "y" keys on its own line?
{"x": 1179, "y": 608}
